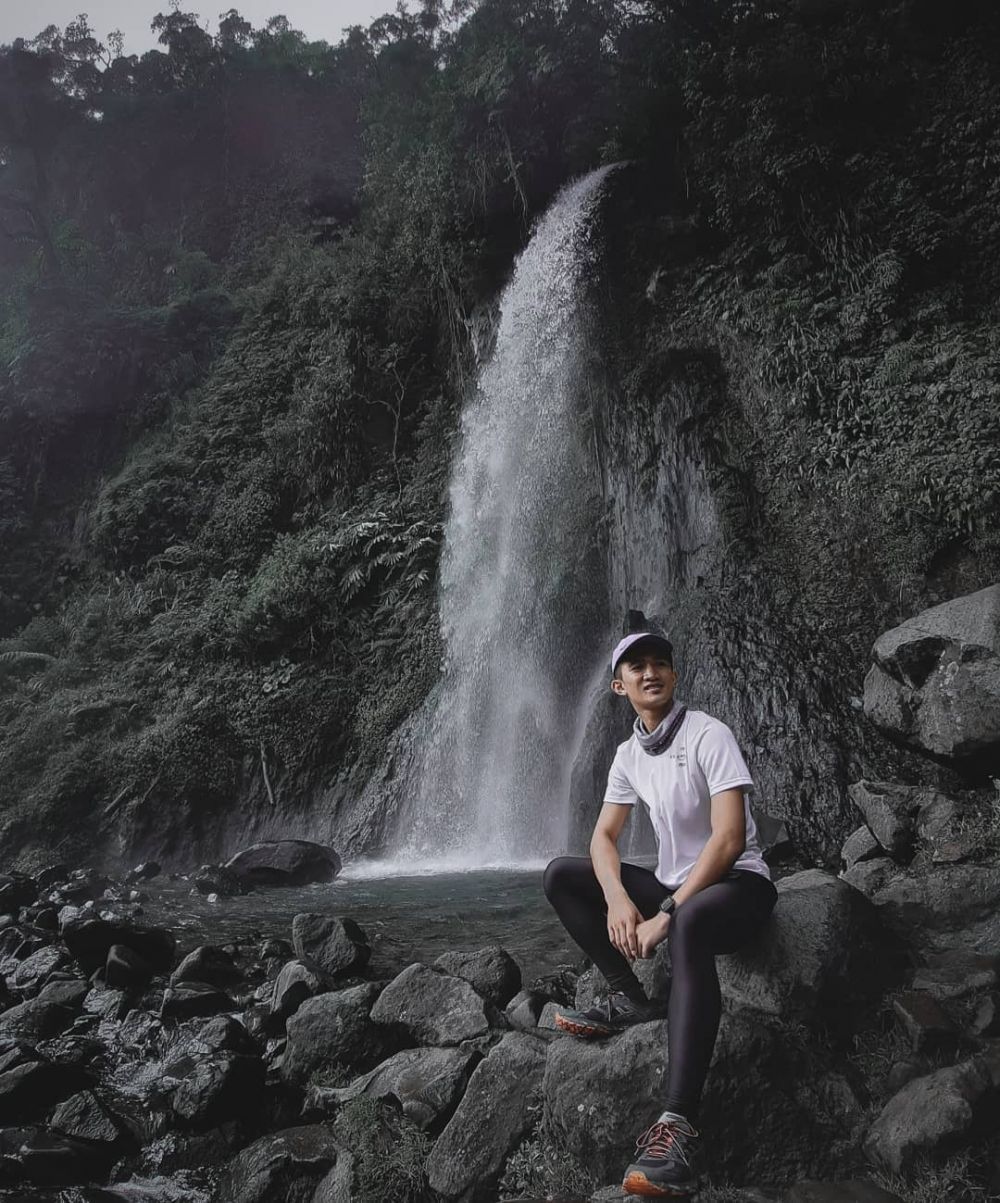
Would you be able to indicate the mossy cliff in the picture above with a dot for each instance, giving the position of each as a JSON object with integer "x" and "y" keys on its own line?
{"x": 233, "y": 372}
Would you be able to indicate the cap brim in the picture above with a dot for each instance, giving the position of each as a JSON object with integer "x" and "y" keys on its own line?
{"x": 631, "y": 642}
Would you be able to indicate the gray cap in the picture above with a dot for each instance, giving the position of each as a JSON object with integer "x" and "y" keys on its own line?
{"x": 633, "y": 638}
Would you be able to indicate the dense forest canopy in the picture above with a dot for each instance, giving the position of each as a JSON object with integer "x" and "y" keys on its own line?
{"x": 237, "y": 280}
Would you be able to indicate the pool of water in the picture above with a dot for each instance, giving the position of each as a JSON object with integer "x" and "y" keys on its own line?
{"x": 408, "y": 916}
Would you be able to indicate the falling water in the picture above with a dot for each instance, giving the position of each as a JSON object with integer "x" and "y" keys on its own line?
{"x": 522, "y": 581}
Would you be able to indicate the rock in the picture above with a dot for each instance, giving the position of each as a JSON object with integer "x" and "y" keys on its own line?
{"x": 16, "y": 890}
{"x": 900, "y": 1073}
{"x": 208, "y": 963}
{"x": 220, "y": 881}
{"x": 284, "y": 1166}
{"x": 107, "y": 1003}
{"x": 125, "y": 969}
{"x": 28, "y": 1090}
{"x": 926, "y": 1025}
{"x": 432, "y": 1007}
{"x": 524, "y": 1010}
{"x": 957, "y": 973}
{"x": 49, "y": 1159}
{"x": 82, "y": 1117}
{"x": 493, "y": 1117}
{"x": 986, "y": 1021}
{"x": 52, "y": 875}
{"x": 930, "y": 1115}
{"x": 32, "y": 973}
{"x": 491, "y": 972}
{"x": 935, "y": 683}
{"x": 855, "y": 1191}
{"x": 284, "y": 863}
{"x": 193, "y": 1000}
{"x": 890, "y": 812}
{"x": 223, "y": 1034}
{"x": 560, "y": 986}
{"x": 334, "y": 1029}
{"x": 220, "y": 1088}
{"x": 333, "y": 945}
{"x": 859, "y": 846}
{"x": 297, "y": 982}
{"x": 90, "y": 939}
{"x": 338, "y": 1185}
{"x": 940, "y": 907}
{"x": 49, "y": 1013}
{"x": 939, "y": 829}
{"x": 144, "y": 872}
{"x": 428, "y": 1082}
{"x": 816, "y": 956}
{"x": 276, "y": 950}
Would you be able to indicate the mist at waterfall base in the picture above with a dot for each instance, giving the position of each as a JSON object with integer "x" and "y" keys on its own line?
{"x": 523, "y": 608}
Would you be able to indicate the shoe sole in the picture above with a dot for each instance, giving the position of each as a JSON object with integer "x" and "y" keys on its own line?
{"x": 575, "y": 1028}
{"x": 636, "y": 1183}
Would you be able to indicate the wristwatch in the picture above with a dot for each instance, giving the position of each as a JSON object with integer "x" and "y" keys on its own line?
{"x": 668, "y": 905}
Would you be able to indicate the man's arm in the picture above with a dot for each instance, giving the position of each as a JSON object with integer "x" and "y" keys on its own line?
{"x": 623, "y": 915}
{"x": 724, "y": 845}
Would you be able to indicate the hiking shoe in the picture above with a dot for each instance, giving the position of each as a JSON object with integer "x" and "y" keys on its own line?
{"x": 662, "y": 1168}
{"x": 613, "y": 1014}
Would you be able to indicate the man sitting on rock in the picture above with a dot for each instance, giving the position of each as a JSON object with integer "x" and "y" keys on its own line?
{"x": 710, "y": 892}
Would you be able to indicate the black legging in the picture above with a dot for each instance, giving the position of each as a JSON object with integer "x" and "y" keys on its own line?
{"x": 718, "y": 919}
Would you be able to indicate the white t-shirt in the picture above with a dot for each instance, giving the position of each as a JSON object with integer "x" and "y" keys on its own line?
{"x": 677, "y": 787}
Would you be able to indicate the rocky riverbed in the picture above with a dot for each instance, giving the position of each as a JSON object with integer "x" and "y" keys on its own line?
{"x": 858, "y": 1059}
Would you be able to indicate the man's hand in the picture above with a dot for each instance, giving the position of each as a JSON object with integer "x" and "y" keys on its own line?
{"x": 623, "y": 920}
{"x": 650, "y": 933}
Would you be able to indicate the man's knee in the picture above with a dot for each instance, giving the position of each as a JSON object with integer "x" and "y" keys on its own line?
{"x": 560, "y": 872}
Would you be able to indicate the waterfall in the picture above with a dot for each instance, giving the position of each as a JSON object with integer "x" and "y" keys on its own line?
{"x": 522, "y": 593}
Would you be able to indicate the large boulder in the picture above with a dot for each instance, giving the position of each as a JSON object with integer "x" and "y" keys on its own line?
{"x": 49, "y": 1013}
{"x": 935, "y": 683}
{"x": 432, "y": 1007}
{"x": 333, "y": 945}
{"x": 428, "y": 1082}
{"x": 334, "y": 1030}
{"x": 208, "y": 963}
{"x": 814, "y": 959}
{"x": 295, "y": 983}
{"x": 34, "y": 971}
{"x": 492, "y": 972}
{"x": 931, "y": 1115}
{"x": 284, "y": 863}
{"x": 286, "y": 1166}
{"x": 220, "y": 1088}
{"x": 493, "y": 1117}
{"x": 89, "y": 940}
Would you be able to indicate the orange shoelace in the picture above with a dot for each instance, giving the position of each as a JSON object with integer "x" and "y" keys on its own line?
{"x": 664, "y": 1138}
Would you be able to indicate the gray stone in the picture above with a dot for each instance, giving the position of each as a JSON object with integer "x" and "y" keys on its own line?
{"x": 853, "y": 1191}
{"x": 890, "y": 812}
{"x": 428, "y": 1082}
{"x": 957, "y": 973}
{"x": 929, "y": 1115}
{"x": 296, "y": 982}
{"x": 338, "y": 1185}
{"x": 333, "y": 945}
{"x": 284, "y": 863}
{"x": 491, "y": 972}
{"x": 286, "y": 1165}
{"x": 935, "y": 683}
{"x": 49, "y": 1013}
{"x": 653, "y": 974}
{"x": 524, "y": 1010}
{"x": 925, "y": 1023}
{"x": 33, "y": 972}
{"x": 219, "y": 1088}
{"x": 813, "y": 957}
{"x": 860, "y": 845}
{"x": 194, "y": 1000}
{"x": 432, "y": 1007}
{"x": 83, "y": 1118}
{"x": 493, "y": 1117}
{"x": 208, "y": 963}
{"x": 986, "y": 1021}
{"x": 334, "y": 1029}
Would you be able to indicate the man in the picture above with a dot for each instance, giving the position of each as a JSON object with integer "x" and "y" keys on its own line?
{"x": 710, "y": 892}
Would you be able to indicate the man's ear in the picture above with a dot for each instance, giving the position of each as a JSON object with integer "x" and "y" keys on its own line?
{"x": 618, "y": 686}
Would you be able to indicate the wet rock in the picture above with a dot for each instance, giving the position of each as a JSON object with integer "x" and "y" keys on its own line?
{"x": 125, "y": 969}
{"x": 84, "y": 1118}
{"x": 33, "y": 1155}
{"x": 28, "y": 1090}
{"x": 146, "y": 1190}
{"x": 49, "y": 1013}
{"x": 926, "y": 1025}
{"x": 144, "y": 872}
{"x": 333, "y": 945}
{"x": 814, "y": 957}
{"x": 218, "y": 880}
{"x": 890, "y": 811}
{"x": 47, "y": 918}
{"x": 103, "y": 1001}
{"x": 194, "y": 1000}
{"x": 51, "y": 876}
{"x": 32, "y": 973}
{"x": 219, "y": 1088}
{"x": 854, "y": 1191}
{"x": 860, "y": 845}
{"x": 208, "y": 963}
{"x": 276, "y": 950}
{"x": 90, "y": 939}
{"x": 901, "y": 1072}
{"x": 935, "y": 683}
{"x": 957, "y": 973}
{"x": 491, "y": 972}
{"x": 223, "y": 1034}
{"x": 16, "y": 890}
{"x": 432, "y": 1007}
{"x": 297, "y": 982}
{"x": 930, "y": 1115}
{"x": 492, "y": 1118}
{"x": 428, "y": 1082}
{"x": 334, "y": 1029}
{"x": 286, "y": 1165}
{"x": 285, "y": 863}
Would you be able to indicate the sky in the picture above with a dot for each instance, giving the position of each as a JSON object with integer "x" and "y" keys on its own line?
{"x": 316, "y": 18}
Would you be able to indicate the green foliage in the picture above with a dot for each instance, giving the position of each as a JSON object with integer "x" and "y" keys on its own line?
{"x": 541, "y": 1167}
{"x": 390, "y": 1152}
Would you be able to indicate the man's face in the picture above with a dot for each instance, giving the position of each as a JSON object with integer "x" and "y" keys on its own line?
{"x": 646, "y": 678}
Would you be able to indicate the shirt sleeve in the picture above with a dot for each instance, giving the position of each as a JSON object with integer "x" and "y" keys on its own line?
{"x": 619, "y": 789}
{"x": 721, "y": 760}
